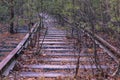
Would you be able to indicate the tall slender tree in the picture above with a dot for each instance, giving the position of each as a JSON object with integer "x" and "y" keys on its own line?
{"x": 12, "y": 16}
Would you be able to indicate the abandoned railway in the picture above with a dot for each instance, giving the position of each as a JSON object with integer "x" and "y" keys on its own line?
{"x": 54, "y": 55}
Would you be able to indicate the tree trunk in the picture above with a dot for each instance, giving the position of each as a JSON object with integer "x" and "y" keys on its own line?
{"x": 11, "y": 17}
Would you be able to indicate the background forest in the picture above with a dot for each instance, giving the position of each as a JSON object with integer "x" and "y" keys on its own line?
{"x": 98, "y": 15}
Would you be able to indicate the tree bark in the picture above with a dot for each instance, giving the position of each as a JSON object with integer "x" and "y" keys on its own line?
{"x": 11, "y": 17}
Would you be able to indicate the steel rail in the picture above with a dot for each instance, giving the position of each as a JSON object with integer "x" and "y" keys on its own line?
{"x": 7, "y": 63}
{"x": 107, "y": 47}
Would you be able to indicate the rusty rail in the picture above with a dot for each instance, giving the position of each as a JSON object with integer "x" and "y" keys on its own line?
{"x": 111, "y": 50}
{"x": 15, "y": 52}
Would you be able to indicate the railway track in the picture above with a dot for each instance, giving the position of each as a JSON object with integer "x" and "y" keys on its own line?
{"x": 11, "y": 50}
{"x": 111, "y": 50}
{"x": 57, "y": 59}
{"x": 7, "y": 45}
